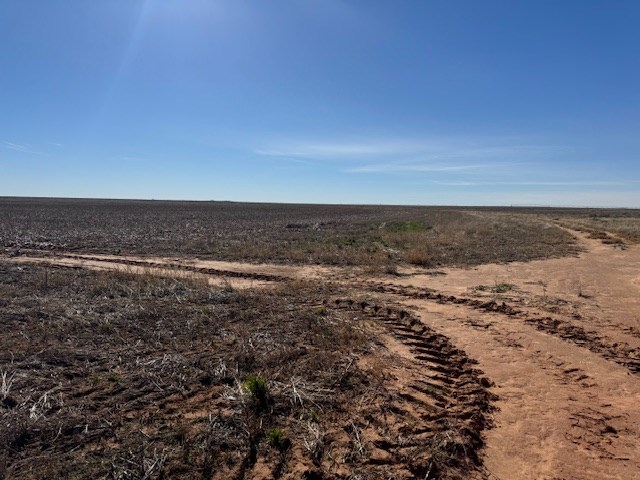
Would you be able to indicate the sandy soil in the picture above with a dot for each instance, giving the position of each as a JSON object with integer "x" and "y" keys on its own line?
{"x": 235, "y": 274}
{"x": 566, "y": 412}
{"x": 602, "y": 285}
{"x": 560, "y": 338}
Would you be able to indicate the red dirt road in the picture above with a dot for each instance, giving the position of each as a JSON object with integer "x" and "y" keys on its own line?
{"x": 566, "y": 411}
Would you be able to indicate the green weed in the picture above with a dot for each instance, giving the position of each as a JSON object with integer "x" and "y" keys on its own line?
{"x": 256, "y": 386}
{"x": 277, "y": 439}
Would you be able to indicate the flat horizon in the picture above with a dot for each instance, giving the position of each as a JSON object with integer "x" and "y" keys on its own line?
{"x": 177, "y": 200}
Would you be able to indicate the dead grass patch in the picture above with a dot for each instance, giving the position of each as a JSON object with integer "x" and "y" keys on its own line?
{"x": 325, "y": 234}
{"x": 113, "y": 375}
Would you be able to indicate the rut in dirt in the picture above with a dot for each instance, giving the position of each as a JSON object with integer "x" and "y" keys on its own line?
{"x": 620, "y": 353}
{"x": 152, "y": 265}
{"x": 446, "y": 405}
{"x": 563, "y": 411}
{"x": 422, "y": 410}
{"x": 561, "y": 327}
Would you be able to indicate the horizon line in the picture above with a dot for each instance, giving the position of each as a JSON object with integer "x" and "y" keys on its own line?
{"x": 511, "y": 205}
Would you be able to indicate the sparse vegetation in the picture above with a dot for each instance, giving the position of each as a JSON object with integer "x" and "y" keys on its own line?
{"x": 611, "y": 226}
{"x": 165, "y": 394}
{"x": 256, "y": 386}
{"x": 325, "y": 234}
{"x": 277, "y": 438}
{"x": 406, "y": 226}
{"x": 137, "y": 374}
{"x": 6, "y": 381}
{"x": 391, "y": 270}
{"x": 501, "y": 287}
{"x": 418, "y": 257}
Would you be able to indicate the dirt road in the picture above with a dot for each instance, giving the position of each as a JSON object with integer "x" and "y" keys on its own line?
{"x": 560, "y": 338}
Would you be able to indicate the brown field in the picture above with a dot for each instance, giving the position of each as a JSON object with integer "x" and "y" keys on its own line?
{"x": 303, "y": 234}
{"x": 149, "y": 340}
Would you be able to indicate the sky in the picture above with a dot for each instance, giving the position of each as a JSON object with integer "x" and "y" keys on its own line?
{"x": 431, "y": 102}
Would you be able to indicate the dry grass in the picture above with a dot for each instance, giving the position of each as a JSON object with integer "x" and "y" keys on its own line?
{"x": 613, "y": 226}
{"x": 123, "y": 376}
{"x": 609, "y": 228}
{"x": 120, "y": 376}
{"x": 326, "y": 234}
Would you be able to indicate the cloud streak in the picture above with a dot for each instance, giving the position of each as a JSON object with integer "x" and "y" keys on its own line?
{"x": 22, "y": 148}
{"x": 336, "y": 151}
{"x": 539, "y": 184}
{"x": 465, "y": 162}
{"x": 426, "y": 167}
{"x": 410, "y": 155}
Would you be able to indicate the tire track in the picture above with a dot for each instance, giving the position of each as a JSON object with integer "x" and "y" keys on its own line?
{"x": 443, "y": 405}
{"x": 80, "y": 261}
{"x": 565, "y": 410}
{"x": 620, "y": 353}
{"x": 562, "y": 412}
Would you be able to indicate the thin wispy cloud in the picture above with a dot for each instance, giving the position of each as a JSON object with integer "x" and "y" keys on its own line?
{"x": 437, "y": 156}
{"x": 538, "y": 184}
{"x": 468, "y": 163}
{"x": 22, "y": 148}
{"x": 127, "y": 158}
{"x": 417, "y": 167}
{"x": 410, "y": 155}
{"x": 336, "y": 151}
{"x": 15, "y": 146}
{"x": 589, "y": 198}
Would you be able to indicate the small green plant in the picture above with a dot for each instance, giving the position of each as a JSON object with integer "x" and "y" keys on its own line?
{"x": 256, "y": 386}
{"x": 497, "y": 288}
{"x": 277, "y": 439}
{"x": 502, "y": 287}
{"x": 105, "y": 327}
{"x": 346, "y": 241}
{"x": 321, "y": 310}
{"x": 95, "y": 378}
{"x": 409, "y": 226}
{"x": 432, "y": 389}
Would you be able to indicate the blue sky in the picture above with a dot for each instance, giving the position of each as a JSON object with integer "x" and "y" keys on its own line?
{"x": 329, "y": 101}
